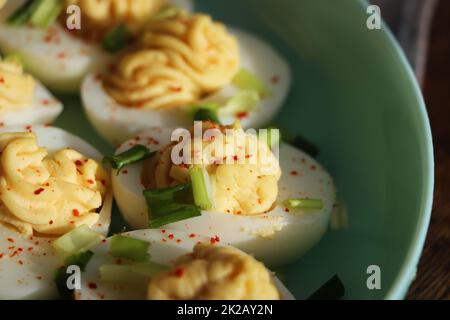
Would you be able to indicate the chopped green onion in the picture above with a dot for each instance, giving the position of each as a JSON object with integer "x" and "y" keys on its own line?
{"x": 129, "y": 248}
{"x": 45, "y": 15}
{"x": 170, "y": 205}
{"x": 243, "y": 101}
{"x": 114, "y": 273}
{"x": 167, "y": 12}
{"x": 137, "y": 153}
{"x": 148, "y": 269}
{"x": 81, "y": 259}
{"x": 61, "y": 275}
{"x": 23, "y": 14}
{"x": 304, "y": 204}
{"x": 333, "y": 289}
{"x": 41, "y": 13}
{"x": 174, "y": 213}
{"x": 206, "y": 113}
{"x": 201, "y": 187}
{"x": 245, "y": 80}
{"x": 78, "y": 240}
{"x": 117, "y": 38}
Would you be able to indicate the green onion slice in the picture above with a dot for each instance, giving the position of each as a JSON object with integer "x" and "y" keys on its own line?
{"x": 245, "y": 80}
{"x": 206, "y": 115}
{"x": 61, "y": 275}
{"x": 117, "y": 38}
{"x": 76, "y": 241}
{"x": 40, "y": 13}
{"x": 129, "y": 248}
{"x": 47, "y": 13}
{"x": 201, "y": 187}
{"x": 333, "y": 289}
{"x": 243, "y": 101}
{"x": 137, "y": 153}
{"x": 170, "y": 205}
{"x": 303, "y": 204}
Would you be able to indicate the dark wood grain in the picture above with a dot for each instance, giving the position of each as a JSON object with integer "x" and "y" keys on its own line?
{"x": 433, "y": 277}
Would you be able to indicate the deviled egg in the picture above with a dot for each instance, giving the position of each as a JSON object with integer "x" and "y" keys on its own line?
{"x": 23, "y": 100}
{"x": 60, "y": 57}
{"x": 183, "y": 65}
{"x": 274, "y": 209}
{"x": 51, "y": 184}
{"x": 174, "y": 266}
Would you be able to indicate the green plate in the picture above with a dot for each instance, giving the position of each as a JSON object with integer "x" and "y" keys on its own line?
{"x": 354, "y": 95}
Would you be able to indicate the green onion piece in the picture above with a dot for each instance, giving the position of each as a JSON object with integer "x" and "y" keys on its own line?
{"x": 46, "y": 13}
{"x": 137, "y": 153}
{"x": 61, "y": 275}
{"x": 129, "y": 248}
{"x": 245, "y": 80}
{"x": 303, "y": 204}
{"x": 78, "y": 240}
{"x": 117, "y": 38}
{"x": 170, "y": 205}
{"x": 174, "y": 213}
{"x": 243, "y": 101}
{"x": 201, "y": 187}
{"x": 148, "y": 269}
{"x": 206, "y": 114}
{"x": 81, "y": 259}
{"x": 333, "y": 289}
{"x": 124, "y": 274}
{"x": 23, "y": 14}
{"x": 167, "y": 12}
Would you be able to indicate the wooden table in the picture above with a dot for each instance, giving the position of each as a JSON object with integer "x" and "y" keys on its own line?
{"x": 433, "y": 277}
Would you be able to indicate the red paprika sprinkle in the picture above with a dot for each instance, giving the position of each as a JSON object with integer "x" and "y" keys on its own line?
{"x": 171, "y": 236}
{"x": 10, "y": 240}
{"x": 192, "y": 235}
{"x": 78, "y": 163}
{"x": 76, "y": 213}
{"x": 50, "y": 222}
{"x": 90, "y": 181}
{"x": 294, "y": 173}
{"x": 92, "y": 285}
{"x": 179, "y": 272}
{"x": 38, "y": 191}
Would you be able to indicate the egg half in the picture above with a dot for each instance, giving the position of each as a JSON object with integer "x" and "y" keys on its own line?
{"x": 164, "y": 249}
{"x": 117, "y": 123}
{"x": 28, "y": 264}
{"x": 276, "y": 238}
{"x": 57, "y": 58}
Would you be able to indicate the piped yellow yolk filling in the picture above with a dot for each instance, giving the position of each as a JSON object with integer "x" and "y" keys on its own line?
{"x": 47, "y": 194}
{"x": 16, "y": 87}
{"x": 100, "y": 16}
{"x": 214, "y": 273}
{"x": 243, "y": 178}
{"x": 179, "y": 60}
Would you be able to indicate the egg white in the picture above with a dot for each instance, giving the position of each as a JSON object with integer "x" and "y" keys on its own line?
{"x": 164, "y": 249}
{"x": 117, "y": 123}
{"x": 275, "y": 238}
{"x": 45, "y": 108}
{"x": 62, "y": 63}
{"x": 28, "y": 273}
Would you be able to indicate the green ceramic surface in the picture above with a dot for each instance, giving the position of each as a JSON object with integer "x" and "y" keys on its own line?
{"x": 355, "y": 96}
